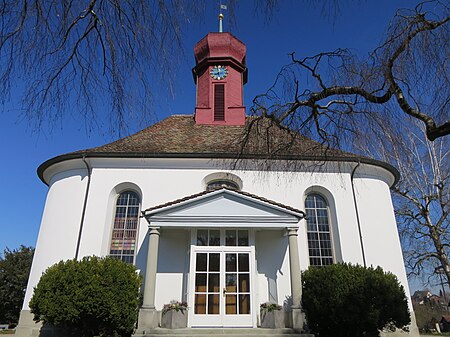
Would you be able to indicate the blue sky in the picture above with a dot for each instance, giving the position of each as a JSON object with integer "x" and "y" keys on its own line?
{"x": 297, "y": 26}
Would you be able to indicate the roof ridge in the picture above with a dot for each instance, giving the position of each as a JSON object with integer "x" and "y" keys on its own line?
{"x": 199, "y": 194}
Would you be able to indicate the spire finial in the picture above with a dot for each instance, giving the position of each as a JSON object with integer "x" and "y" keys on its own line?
{"x": 221, "y": 16}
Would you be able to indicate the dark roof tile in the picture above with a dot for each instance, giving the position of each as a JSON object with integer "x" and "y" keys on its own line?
{"x": 179, "y": 134}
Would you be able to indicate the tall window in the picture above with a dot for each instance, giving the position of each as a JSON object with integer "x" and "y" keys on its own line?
{"x": 318, "y": 229}
{"x": 123, "y": 241}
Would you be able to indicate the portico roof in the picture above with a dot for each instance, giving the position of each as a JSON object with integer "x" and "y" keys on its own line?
{"x": 223, "y": 208}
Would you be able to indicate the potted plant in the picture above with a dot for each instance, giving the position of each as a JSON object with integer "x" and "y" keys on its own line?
{"x": 174, "y": 315}
{"x": 272, "y": 316}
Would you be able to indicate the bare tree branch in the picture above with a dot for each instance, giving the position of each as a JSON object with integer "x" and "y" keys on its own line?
{"x": 422, "y": 196}
{"x": 410, "y": 66}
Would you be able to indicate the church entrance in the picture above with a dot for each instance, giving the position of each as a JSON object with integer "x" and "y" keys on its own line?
{"x": 221, "y": 279}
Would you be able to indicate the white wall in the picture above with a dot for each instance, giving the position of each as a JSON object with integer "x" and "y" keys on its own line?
{"x": 60, "y": 225}
{"x": 379, "y": 229}
{"x": 272, "y": 267}
{"x": 173, "y": 264}
{"x": 161, "y": 180}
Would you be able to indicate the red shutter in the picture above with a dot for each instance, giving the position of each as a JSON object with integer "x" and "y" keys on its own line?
{"x": 219, "y": 102}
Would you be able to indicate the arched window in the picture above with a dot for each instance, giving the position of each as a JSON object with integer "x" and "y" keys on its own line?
{"x": 124, "y": 233}
{"x": 216, "y": 184}
{"x": 318, "y": 229}
{"x": 218, "y": 180}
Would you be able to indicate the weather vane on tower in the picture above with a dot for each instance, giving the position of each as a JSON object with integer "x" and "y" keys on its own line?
{"x": 221, "y": 16}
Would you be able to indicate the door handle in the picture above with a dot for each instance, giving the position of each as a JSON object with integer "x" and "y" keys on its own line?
{"x": 224, "y": 291}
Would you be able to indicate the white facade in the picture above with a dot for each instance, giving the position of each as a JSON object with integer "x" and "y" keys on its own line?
{"x": 161, "y": 180}
{"x": 167, "y": 168}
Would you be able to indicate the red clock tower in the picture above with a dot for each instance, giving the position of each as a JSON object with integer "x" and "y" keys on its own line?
{"x": 220, "y": 74}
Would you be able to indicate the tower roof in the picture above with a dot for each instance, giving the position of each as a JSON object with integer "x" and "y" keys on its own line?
{"x": 220, "y": 45}
{"x": 178, "y": 136}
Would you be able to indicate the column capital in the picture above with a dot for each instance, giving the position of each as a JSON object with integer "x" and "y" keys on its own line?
{"x": 292, "y": 231}
{"x": 154, "y": 231}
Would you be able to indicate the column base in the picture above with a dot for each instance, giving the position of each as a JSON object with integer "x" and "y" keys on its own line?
{"x": 148, "y": 319}
{"x": 298, "y": 319}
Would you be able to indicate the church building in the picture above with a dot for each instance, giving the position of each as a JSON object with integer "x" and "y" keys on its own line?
{"x": 212, "y": 211}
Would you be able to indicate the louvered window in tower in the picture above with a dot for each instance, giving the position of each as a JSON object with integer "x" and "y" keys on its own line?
{"x": 219, "y": 102}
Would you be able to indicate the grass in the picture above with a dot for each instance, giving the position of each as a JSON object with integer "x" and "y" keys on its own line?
{"x": 7, "y": 332}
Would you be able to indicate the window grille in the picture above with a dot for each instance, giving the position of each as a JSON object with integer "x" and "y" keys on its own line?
{"x": 217, "y": 184}
{"x": 217, "y": 237}
{"x": 318, "y": 230}
{"x": 125, "y": 227}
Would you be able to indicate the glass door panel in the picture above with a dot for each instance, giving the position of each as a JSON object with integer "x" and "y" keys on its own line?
{"x": 207, "y": 284}
{"x": 237, "y": 285}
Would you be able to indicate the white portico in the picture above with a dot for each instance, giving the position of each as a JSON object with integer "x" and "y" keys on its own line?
{"x": 222, "y": 266}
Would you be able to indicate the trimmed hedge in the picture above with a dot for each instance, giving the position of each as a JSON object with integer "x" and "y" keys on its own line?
{"x": 92, "y": 297}
{"x": 344, "y": 300}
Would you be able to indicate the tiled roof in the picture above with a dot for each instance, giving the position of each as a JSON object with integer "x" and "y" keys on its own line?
{"x": 179, "y": 136}
{"x": 193, "y": 196}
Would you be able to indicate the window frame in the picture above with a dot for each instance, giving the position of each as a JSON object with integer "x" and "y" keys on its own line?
{"x": 331, "y": 240}
{"x": 114, "y": 217}
{"x": 223, "y": 237}
{"x": 222, "y": 176}
{"x": 227, "y": 182}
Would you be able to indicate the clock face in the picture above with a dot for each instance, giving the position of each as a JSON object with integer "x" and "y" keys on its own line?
{"x": 218, "y": 72}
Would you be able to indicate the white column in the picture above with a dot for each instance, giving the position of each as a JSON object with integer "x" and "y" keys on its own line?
{"x": 294, "y": 263}
{"x": 148, "y": 316}
{"x": 296, "y": 282}
{"x": 152, "y": 263}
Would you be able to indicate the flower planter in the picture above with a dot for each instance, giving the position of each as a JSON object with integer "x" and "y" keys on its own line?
{"x": 272, "y": 319}
{"x": 174, "y": 319}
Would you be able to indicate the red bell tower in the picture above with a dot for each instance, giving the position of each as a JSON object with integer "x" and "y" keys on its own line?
{"x": 220, "y": 74}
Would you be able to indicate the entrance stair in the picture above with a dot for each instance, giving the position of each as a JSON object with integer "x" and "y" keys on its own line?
{"x": 222, "y": 332}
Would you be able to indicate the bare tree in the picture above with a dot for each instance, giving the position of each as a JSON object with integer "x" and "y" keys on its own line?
{"x": 421, "y": 197}
{"x": 343, "y": 93}
{"x": 90, "y": 53}
{"x": 422, "y": 200}
{"x": 392, "y": 106}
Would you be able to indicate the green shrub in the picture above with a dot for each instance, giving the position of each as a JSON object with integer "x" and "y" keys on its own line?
{"x": 14, "y": 271}
{"x": 91, "y": 297}
{"x": 343, "y": 300}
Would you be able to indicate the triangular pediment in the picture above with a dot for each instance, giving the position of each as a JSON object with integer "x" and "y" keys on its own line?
{"x": 224, "y": 208}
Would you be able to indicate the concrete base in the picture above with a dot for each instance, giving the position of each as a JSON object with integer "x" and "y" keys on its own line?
{"x": 298, "y": 319}
{"x": 400, "y": 333}
{"x": 173, "y": 319}
{"x": 413, "y": 330}
{"x": 148, "y": 320}
{"x": 272, "y": 319}
{"x": 26, "y": 326}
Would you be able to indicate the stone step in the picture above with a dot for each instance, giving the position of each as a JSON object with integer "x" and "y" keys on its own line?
{"x": 221, "y": 332}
